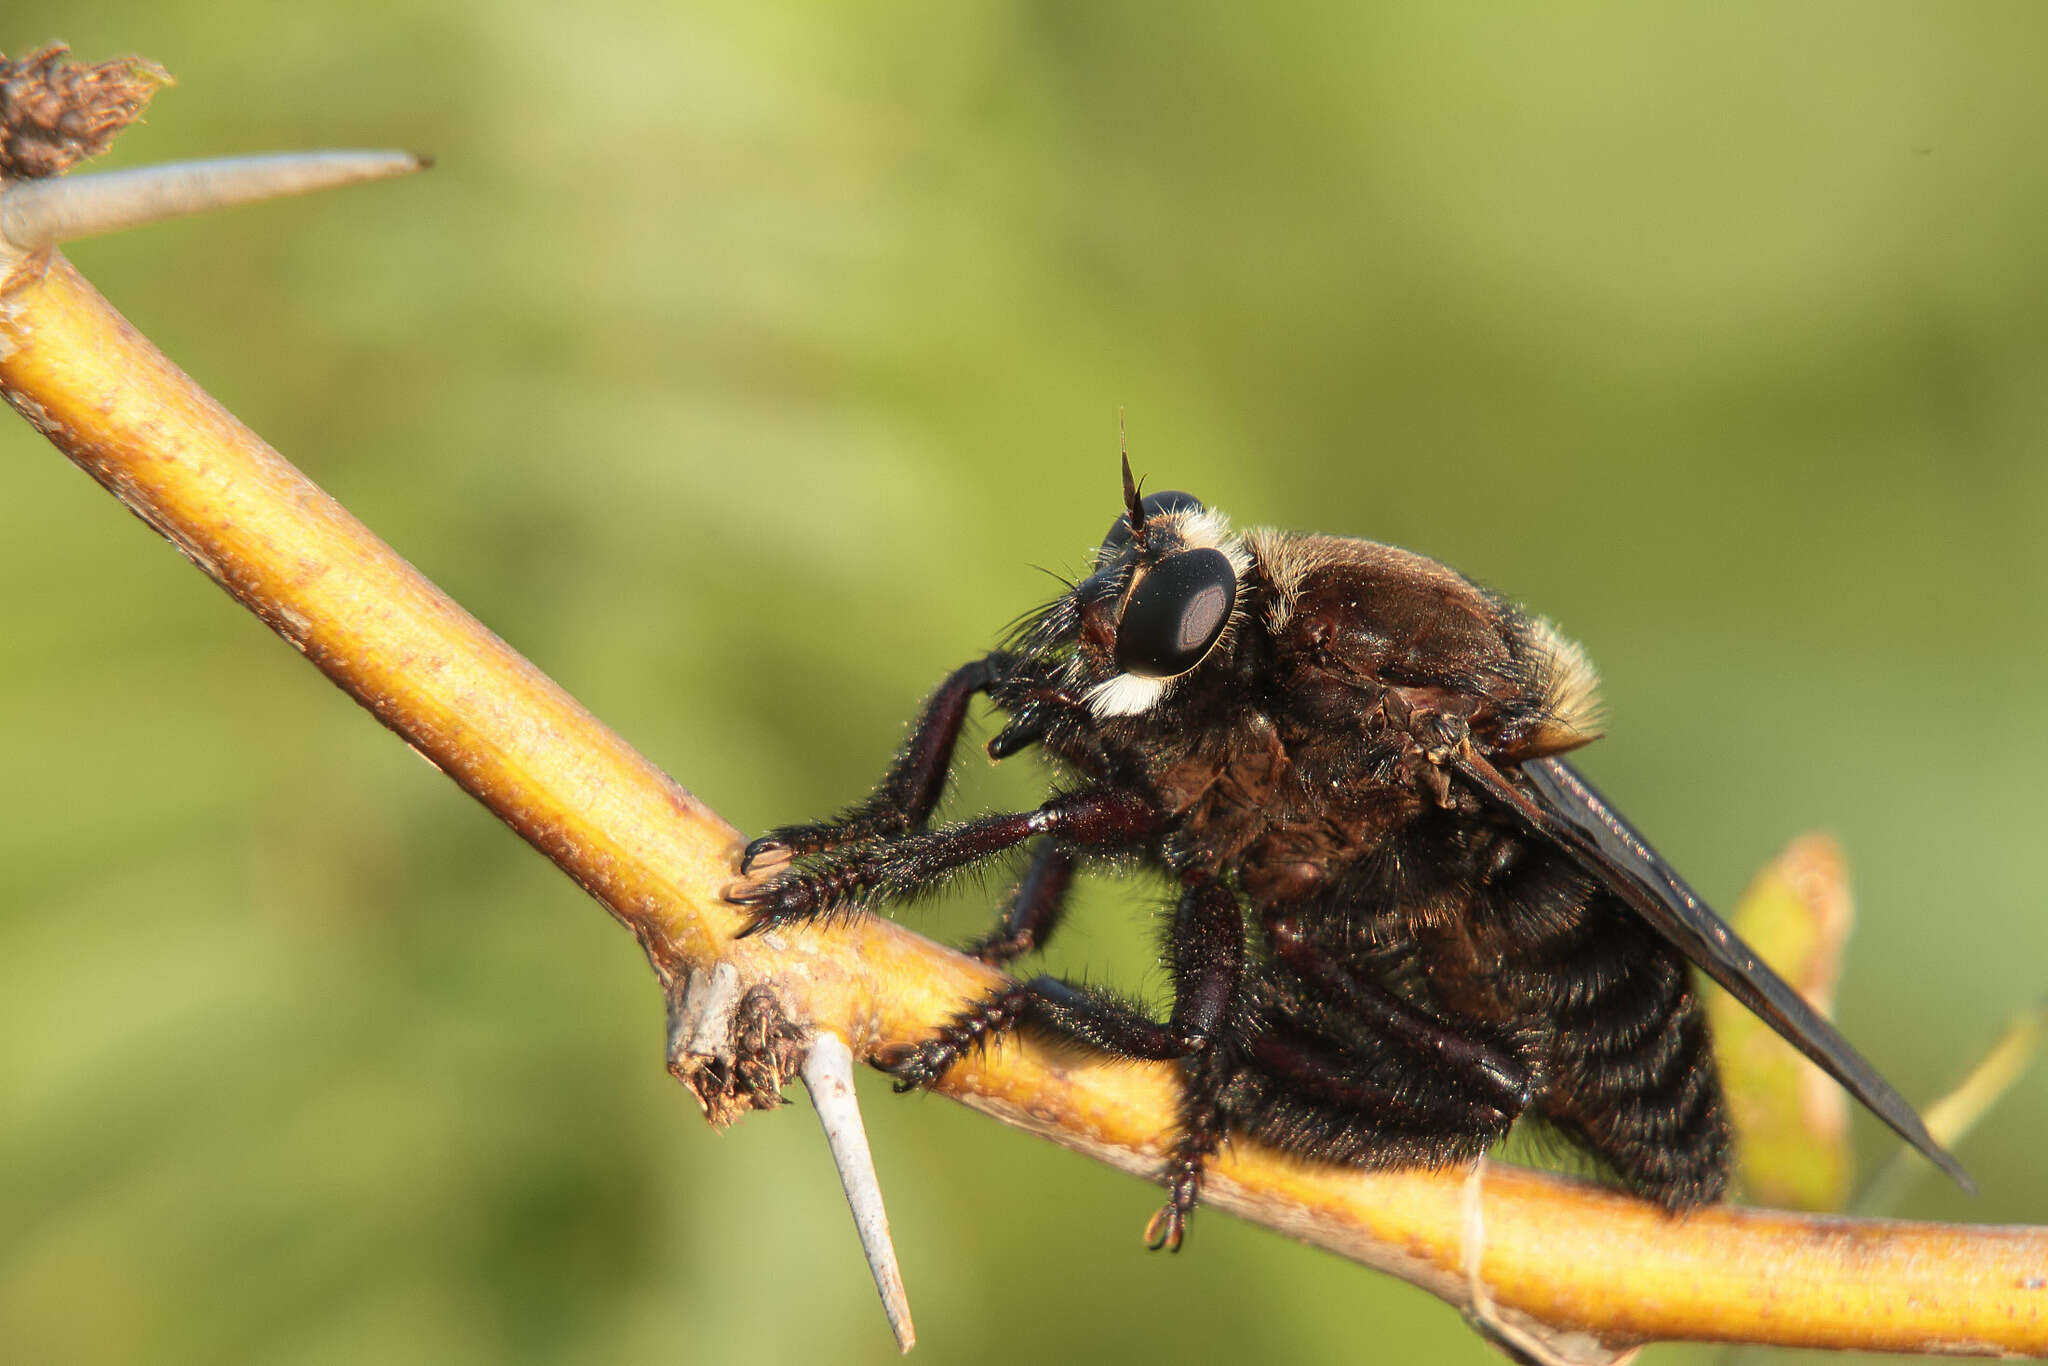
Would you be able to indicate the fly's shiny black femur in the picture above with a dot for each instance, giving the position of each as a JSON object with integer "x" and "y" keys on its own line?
{"x": 1402, "y": 922}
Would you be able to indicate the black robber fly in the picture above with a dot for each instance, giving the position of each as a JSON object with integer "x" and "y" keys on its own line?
{"x": 1402, "y": 923}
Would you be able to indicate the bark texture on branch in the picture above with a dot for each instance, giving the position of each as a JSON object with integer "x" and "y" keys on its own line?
{"x": 1581, "y": 1271}
{"x": 1575, "y": 1264}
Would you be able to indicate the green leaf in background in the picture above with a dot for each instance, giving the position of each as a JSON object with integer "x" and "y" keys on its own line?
{"x": 1790, "y": 1118}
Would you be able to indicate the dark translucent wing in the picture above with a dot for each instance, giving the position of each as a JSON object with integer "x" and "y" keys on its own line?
{"x": 1571, "y": 812}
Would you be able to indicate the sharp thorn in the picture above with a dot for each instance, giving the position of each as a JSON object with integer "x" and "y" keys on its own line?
{"x": 40, "y": 213}
{"x": 828, "y": 1073}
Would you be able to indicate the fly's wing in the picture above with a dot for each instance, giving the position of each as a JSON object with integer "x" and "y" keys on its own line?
{"x": 1568, "y": 811}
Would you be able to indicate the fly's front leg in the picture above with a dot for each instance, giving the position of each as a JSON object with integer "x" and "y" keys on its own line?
{"x": 1207, "y": 958}
{"x": 848, "y": 880}
{"x": 908, "y": 792}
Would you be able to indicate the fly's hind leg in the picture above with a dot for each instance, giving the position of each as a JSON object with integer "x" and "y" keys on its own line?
{"x": 1499, "y": 1075}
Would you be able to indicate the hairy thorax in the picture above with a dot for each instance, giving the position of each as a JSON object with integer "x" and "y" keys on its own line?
{"x": 1286, "y": 807}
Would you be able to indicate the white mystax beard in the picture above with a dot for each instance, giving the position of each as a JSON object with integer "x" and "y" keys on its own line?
{"x": 1125, "y": 695}
{"x": 1130, "y": 695}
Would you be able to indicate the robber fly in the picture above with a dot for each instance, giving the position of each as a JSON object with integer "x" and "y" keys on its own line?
{"x": 1402, "y": 920}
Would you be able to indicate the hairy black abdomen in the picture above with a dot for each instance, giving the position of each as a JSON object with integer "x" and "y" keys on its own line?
{"x": 1629, "y": 1068}
{"x": 1508, "y": 945}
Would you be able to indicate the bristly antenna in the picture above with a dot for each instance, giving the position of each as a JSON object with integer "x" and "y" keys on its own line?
{"x": 1134, "y": 508}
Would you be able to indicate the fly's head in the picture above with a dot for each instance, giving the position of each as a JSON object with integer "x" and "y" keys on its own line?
{"x": 1158, "y": 613}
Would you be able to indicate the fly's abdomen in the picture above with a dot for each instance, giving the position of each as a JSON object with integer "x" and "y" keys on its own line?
{"x": 1635, "y": 1082}
{"x": 1630, "y": 1066}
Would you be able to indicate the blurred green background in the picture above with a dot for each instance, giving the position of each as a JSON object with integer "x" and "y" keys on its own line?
{"x": 738, "y": 364}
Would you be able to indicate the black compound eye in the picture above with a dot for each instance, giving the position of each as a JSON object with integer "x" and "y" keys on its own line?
{"x": 1171, "y": 500}
{"x": 1176, "y": 613}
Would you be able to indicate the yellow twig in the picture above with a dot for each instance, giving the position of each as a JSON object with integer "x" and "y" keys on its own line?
{"x": 1581, "y": 1271}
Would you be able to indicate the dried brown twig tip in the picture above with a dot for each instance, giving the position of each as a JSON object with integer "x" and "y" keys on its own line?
{"x": 731, "y": 1049}
{"x": 54, "y": 114}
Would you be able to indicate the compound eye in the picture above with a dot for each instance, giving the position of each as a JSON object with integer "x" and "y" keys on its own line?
{"x": 1171, "y": 500}
{"x": 1176, "y": 613}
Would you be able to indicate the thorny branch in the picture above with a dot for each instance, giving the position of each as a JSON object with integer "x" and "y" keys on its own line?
{"x": 1563, "y": 1270}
